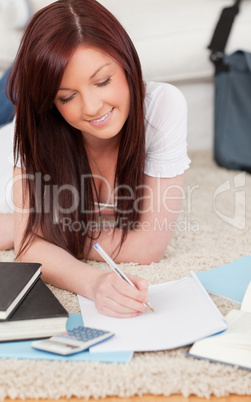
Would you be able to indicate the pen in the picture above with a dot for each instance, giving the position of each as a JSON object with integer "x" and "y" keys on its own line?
{"x": 116, "y": 269}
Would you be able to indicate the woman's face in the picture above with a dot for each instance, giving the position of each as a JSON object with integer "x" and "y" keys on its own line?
{"x": 94, "y": 94}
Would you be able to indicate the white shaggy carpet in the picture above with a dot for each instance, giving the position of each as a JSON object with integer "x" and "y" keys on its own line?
{"x": 214, "y": 229}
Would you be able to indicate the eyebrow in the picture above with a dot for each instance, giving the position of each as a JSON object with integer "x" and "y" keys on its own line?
{"x": 98, "y": 70}
{"x": 92, "y": 76}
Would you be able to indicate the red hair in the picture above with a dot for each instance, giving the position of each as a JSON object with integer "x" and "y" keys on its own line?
{"x": 46, "y": 143}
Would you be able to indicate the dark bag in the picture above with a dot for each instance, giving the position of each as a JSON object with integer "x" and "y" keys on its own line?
{"x": 232, "y": 99}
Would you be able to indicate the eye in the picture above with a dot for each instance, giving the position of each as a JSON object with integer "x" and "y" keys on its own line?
{"x": 63, "y": 100}
{"x": 104, "y": 83}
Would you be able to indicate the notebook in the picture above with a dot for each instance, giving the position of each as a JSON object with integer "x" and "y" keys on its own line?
{"x": 39, "y": 315}
{"x": 16, "y": 279}
{"x": 184, "y": 313}
{"x": 234, "y": 345}
{"x": 23, "y": 350}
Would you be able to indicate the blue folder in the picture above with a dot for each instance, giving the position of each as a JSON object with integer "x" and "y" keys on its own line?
{"x": 229, "y": 280}
{"x": 23, "y": 350}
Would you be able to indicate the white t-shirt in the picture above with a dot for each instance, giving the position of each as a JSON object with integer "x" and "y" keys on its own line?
{"x": 165, "y": 139}
{"x": 165, "y": 131}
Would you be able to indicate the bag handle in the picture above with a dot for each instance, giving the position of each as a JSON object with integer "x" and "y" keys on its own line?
{"x": 221, "y": 34}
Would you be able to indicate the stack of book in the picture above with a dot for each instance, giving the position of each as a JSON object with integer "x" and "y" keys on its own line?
{"x": 28, "y": 308}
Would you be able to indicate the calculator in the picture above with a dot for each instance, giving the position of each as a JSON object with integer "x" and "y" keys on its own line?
{"x": 73, "y": 341}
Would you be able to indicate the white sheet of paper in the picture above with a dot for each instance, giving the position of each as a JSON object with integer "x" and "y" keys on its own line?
{"x": 183, "y": 314}
{"x": 246, "y": 302}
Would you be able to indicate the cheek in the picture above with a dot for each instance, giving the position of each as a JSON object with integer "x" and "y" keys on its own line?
{"x": 124, "y": 96}
{"x": 127, "y": 100}
{"x": 68, "y": 112}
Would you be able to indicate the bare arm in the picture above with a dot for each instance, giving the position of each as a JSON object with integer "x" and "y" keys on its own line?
{"x": 162, "y": 200}
{"x": 112, "y": 295}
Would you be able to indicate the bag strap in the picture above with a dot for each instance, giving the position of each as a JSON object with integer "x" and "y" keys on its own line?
{"x": 221, "y": 34}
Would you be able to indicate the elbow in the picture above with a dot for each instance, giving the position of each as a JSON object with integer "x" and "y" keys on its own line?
{"x": 147, "y": 260}
{"x": 153, "y": 250}
{"x": 153, "y": 255}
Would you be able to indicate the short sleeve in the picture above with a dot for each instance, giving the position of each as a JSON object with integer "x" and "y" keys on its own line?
{"x": 165, "y": 131}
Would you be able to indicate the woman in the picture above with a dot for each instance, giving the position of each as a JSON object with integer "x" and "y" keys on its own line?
{"x": 99, "y": 154}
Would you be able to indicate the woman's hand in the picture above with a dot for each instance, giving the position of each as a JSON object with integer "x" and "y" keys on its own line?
{"x": 113, "y": 296}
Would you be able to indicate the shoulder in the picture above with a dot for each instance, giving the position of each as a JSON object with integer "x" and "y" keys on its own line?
{"x": 165, "y": 130}
{"x": 163, "y": 103}
{"x": 167, "y": 91}
{"x": 165, "y": 113}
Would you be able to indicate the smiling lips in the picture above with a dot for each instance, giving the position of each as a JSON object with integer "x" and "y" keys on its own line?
{"x": 102, "y": 120}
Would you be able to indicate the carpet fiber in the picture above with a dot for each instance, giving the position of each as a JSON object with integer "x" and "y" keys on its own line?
{"x": 213, "y": 229}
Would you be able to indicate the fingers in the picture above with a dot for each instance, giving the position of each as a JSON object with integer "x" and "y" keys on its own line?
{"x": 124, "y": 302}
{"x": 142, "y": 286}
{"x": 139, "y": 292}
{"x": 112, "y": 308}
{"x": 114, "y": 314}
{"x": 115, "y": 297}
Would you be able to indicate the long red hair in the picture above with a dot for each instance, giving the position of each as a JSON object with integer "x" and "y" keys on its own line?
{"x": 48, "y": 147}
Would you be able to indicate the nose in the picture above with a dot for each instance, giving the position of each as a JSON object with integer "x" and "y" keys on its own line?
{"x": 91, "y": 104}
